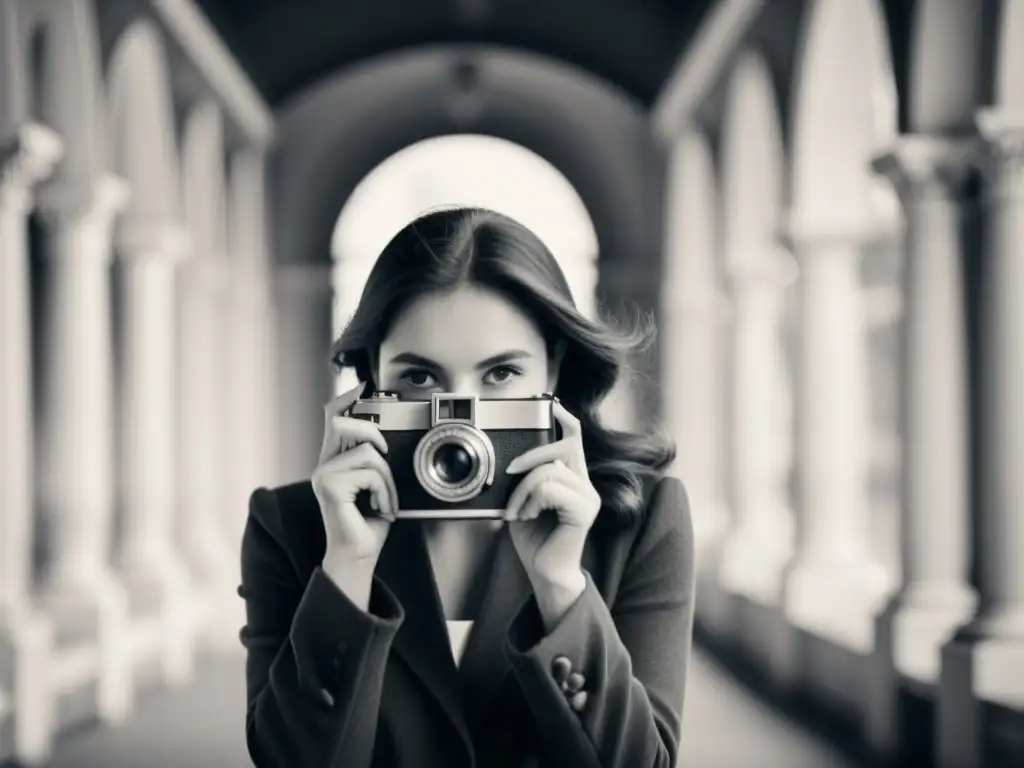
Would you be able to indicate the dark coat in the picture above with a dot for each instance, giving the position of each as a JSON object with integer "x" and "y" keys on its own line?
{"x": 330, "y": 686}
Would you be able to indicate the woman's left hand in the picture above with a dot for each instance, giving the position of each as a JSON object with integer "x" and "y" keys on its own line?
{"x": 551, "y": 546}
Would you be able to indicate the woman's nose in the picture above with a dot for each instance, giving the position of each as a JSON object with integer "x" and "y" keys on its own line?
{"x": 466, "y": 384}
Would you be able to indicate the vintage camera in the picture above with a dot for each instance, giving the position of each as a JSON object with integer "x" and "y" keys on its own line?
{"x": 448, "y": 455}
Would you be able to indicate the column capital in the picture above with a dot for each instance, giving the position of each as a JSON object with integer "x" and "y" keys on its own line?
{"x": 802, "y": 233}
{"x": 687, "y": 298}
{"x": 772, "y": 267}
{"x": 210, "y": 273}
{"x": 1001, "y": 156}
{"x": 167, "y": 243}
{"x": 98, "y": 201}
{"x": 927, "y": 166}
{"x": 27, "y": 157}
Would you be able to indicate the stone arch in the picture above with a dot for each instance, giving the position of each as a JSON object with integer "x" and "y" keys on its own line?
{"x": 69, "y": 89}
{"x": 841, "y": 118}
{"x": 332, "y": 135}
{"x": 692, "y": 215}
{"x": 142, "y": 116}
{"x": 15, "y": 104}
{"x": 948, "y": 59}
{"x": 203, "y": 185}
{"x": 752, "y": 165}
{"x": 366, "y": 223}
{"x": 1009, "y": 90}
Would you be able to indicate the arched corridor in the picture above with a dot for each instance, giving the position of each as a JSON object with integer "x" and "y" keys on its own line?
{"x": 820, "y": 202}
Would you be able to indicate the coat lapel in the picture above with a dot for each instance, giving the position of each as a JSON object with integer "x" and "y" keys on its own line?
{"x": 484, "y": 665}
{"x": 422, "y": 641}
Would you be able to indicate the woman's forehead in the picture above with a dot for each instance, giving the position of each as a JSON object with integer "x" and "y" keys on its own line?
{"x": 464, "y": 326}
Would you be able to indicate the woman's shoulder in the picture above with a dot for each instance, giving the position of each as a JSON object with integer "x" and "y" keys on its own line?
{"x": 287, "y": 516}
{"x": 666, "y": 504}
{"x": 665, "y": 514}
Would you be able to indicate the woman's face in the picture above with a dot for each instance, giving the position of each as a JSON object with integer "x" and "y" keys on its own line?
{"x": 471, "y": 341}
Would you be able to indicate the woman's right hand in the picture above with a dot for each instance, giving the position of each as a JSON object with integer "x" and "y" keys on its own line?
{"x": 352, "y": 460}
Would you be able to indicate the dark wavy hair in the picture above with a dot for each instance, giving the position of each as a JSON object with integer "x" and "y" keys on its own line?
{"x": 456, "y": 246}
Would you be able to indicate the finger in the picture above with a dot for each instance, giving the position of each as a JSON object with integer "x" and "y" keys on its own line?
{"x": 338, "y": 405}
{"x": 570, "y": 424}
{"x": 346, "y": 489}
{"x": 544, "y": 454}
{"x": 334, "y": 410}
{"x": 550, "y": 494}
{"x": 364, "y": 456}
{"x": 579, "y": 483}
{"x": 344, "y": 433}
{"x": 522, "y": 491}
{"x": 355, "y": 431}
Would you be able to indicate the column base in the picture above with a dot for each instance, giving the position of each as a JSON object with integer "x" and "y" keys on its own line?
{"x": 93, "y": 612}
{"x": 910, "y": 633}
{"x": 754, "y": 559}
{"x": 982, "y": 683}
{"x": 837, "y": 601}
{"x": 160, "y": 585}
{"x": 27, "y": 715}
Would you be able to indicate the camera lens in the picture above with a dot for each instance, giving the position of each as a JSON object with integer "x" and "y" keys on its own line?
{"x": 454, "y": 463}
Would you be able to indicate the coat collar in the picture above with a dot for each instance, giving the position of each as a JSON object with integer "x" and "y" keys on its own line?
{"x": 422, "y": 640}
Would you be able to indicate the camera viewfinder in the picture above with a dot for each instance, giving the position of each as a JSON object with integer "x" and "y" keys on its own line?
{"x": 454, "y": 408}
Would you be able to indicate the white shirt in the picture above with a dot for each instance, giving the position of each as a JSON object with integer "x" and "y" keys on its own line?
{"x": 458, "y": 633}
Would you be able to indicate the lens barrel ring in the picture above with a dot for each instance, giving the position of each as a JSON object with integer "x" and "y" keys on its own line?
{"x": 474, "y": 441}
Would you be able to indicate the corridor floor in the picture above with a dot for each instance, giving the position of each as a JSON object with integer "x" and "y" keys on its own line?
{"x": 201, "y": 726}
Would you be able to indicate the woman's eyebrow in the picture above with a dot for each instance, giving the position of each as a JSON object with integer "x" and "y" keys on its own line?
{"x": 503, "y": 357}
{"x": 411, "y": 358}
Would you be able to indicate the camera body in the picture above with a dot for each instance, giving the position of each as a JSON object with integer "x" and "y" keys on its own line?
{"x": 448, "y": 454}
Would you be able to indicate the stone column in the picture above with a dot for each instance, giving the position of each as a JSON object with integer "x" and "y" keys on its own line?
{"x": 302, "y": 298}
{"x": 148, "y": 559}
{"x": 692, "y": 315}
{"x": 75, "y": 480}
{"x": 935, "y": 533}
{"x": 202, "y": 446}
{"x": 984, "y": 663}
{"x": 26, "y": 636}
{"x": 251, "y": 417}
{"x": 759, "y": 542}
{"x": 833, "y": 590}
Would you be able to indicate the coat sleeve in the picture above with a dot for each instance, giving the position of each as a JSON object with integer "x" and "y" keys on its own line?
{"x": 633, "y": 657}
{"x": 315, "y": 661}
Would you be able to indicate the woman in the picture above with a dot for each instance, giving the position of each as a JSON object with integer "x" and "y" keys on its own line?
{"x": 579, "y": 604}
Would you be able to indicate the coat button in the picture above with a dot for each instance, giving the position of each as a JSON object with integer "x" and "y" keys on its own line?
{"x": 560, "y": 669}
{"x": 326, "y": 697}
{"x": 578, "y": 701}
{"x": 575, "y": 683}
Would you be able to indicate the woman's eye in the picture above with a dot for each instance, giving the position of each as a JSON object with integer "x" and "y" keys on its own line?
{"x": 419, "y": 379}
{"x": 501, "y": 375}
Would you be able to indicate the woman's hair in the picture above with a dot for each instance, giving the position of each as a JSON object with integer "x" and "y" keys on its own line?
{"x": 452, "y": 247}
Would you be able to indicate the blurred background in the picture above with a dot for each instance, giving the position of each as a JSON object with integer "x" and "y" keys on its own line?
{"x": 820, "y": 201}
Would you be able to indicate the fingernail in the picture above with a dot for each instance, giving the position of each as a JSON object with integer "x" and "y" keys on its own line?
{"x": 373, "y": 503}
{"x": 511, "y": 468}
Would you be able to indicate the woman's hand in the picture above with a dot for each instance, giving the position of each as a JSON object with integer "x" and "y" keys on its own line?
{"x": 351, "y": 460}
{"x": 551, "y": 546}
